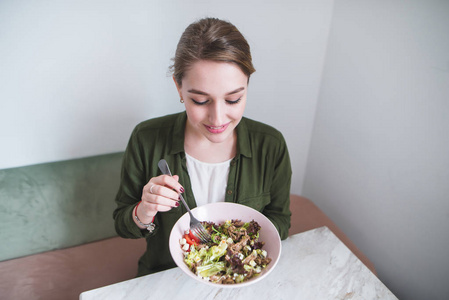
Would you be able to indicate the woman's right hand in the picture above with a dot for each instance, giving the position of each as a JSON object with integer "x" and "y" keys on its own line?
{"x": 159, "y": 194}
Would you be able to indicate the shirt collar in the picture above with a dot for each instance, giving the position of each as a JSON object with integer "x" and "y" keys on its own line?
{"x": 178, "y": 133}
{"x": 243, "y": 144}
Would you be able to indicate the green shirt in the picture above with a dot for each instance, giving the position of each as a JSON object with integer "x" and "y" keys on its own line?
{"x": 259, "y": 177}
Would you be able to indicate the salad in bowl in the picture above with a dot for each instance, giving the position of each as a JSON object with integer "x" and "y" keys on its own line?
{"x": 233, "y": 255}
{"x": 245, "y": 246}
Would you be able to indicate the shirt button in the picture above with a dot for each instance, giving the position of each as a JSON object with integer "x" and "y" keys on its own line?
{"x": 229, "y": 192}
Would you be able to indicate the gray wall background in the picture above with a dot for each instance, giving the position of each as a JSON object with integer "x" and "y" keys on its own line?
{"x": 358, "y": 88}
{"x": 379, "y": 159}
{"x": 77, "y": 75}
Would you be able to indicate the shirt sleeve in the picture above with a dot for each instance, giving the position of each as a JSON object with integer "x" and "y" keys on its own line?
{"x": 132, "y": 180}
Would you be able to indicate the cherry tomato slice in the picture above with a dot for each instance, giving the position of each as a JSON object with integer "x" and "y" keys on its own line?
{"x": 193, "y": 237}
{"x": 190, "y": 241}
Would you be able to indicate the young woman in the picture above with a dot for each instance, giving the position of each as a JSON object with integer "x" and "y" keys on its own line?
{"x": 215, "y": 152}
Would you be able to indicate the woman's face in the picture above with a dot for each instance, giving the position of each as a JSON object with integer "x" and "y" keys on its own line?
{"x": 214, "y": 95}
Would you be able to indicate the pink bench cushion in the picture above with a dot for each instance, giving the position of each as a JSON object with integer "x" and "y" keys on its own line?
{"x": 64, "y": 274}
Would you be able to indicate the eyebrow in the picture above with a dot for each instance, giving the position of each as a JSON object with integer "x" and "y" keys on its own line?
{"x": 198, "y": 92}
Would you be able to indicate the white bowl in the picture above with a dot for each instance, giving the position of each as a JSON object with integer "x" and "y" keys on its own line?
{"x": 219, "y": 213}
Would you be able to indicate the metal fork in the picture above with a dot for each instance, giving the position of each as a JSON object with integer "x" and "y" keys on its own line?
{"x": 196, "y": 227}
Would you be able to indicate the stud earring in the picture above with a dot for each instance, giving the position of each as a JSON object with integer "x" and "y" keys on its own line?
{"x": 181, "y": 100}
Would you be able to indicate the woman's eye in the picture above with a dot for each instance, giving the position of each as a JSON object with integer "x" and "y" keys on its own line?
{"x": 233, "y": 101}
{"x": 199, "y": 103}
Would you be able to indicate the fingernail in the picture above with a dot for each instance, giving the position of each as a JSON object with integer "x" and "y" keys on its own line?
{"x": 182, "y": 190}
{"x": 177, "y": 204}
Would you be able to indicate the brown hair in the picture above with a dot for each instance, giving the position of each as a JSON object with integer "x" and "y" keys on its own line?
{"x": 211, "y": 39}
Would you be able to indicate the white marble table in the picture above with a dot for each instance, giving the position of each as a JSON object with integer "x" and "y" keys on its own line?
{"x": 313, "y": 265}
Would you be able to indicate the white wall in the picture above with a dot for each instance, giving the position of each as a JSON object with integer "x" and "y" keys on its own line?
{"x": 379, "y": 157}
{"x": 77, "y": 76}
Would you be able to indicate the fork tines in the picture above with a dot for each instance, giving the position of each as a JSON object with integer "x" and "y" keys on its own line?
{"x": 201, "y": 233}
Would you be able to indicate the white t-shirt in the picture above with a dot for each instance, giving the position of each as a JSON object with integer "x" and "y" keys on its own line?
{"x": 209, "y": 180}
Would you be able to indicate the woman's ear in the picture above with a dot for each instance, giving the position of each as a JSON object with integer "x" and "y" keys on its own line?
{"x": 177, "y": 87}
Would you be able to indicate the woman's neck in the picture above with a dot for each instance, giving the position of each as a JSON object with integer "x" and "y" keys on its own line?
{"x": 204, "y": 150}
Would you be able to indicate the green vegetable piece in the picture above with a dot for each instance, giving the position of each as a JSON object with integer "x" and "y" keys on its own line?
{"x": 211, "y": 269}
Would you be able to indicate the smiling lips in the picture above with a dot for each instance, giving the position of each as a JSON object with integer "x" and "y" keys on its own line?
{"x": 216, "y": 129}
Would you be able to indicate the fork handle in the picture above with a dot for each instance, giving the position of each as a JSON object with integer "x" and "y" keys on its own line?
{"x": 163, "y": 166}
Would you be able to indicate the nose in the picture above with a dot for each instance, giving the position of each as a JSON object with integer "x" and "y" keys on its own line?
{"x": 216, "y": 113}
